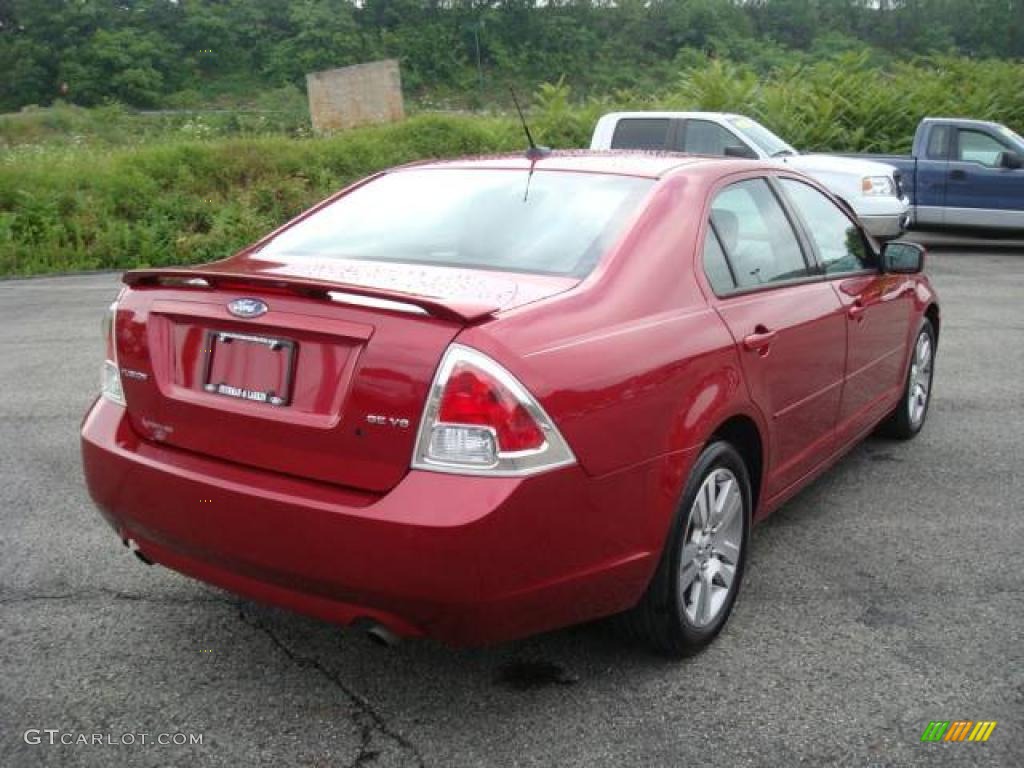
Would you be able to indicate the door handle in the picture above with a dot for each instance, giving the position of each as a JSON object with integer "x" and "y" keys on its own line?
{"x": 958, "y": 175}
{"x": 760, "y": 340}
{"x": 856, "y": 311}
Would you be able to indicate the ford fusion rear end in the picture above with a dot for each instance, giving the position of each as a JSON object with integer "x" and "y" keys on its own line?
{"x": 304, "y": 424}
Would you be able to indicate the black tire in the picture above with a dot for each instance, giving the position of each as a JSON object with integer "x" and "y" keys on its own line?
{"x": 660, "y": 619}
{"x": 900, "y": 424}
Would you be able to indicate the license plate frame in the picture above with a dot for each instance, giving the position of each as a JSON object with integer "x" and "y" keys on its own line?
{"x": 215, "y": 339}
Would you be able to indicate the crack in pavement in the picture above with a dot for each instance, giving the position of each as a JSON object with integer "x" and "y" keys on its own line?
{"x": 106, "y": 593}
{"x": 367, "y": 719}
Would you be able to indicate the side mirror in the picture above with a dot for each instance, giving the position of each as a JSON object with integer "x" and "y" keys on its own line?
{"x": 1010, "y": 160}
{"x": 902, "y": 258}
{"x": 739, "y": 150}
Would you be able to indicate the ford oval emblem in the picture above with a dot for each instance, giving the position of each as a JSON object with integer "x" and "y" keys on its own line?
{"x": 247, "y": 308}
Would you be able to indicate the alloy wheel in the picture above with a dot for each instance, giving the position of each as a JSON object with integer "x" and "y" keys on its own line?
{"x": 711, "y": 547}
{"x": 920, "y": 379}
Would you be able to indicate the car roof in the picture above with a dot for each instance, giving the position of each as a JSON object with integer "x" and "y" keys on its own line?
{"x": 961, "y": 121}
{"x": 670, "y": 114}
{"x": 647, "y": 164}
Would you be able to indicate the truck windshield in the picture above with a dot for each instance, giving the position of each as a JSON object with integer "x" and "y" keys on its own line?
{"x": 1013, "y": 136}
{"x": 756, "y": 133}
{"x": 547, "y": 222}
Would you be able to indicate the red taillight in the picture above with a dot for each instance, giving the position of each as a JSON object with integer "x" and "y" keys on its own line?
{"x": 473, "y": 397}
{"x": 479, "y": 419}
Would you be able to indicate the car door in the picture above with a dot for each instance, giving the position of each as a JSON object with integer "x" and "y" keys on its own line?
{"x": 979, "y": 192}
{"x": 931, "y": 175}
{"x": 878, "y": 308}
{"x": 788, "y": 324}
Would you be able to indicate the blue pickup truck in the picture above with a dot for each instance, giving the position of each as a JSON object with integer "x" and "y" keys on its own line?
{"x": 963, "y": 173}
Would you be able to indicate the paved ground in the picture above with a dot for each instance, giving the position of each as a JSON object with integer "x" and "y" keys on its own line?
{"x": 967, "y": 240}
{"x": 889, "y": 594}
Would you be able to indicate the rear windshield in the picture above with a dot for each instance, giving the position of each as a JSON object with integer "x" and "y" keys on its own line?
{"x": 555, "y": 222}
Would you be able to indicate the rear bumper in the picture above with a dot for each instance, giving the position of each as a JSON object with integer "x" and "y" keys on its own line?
{"x": 466, "y": 560}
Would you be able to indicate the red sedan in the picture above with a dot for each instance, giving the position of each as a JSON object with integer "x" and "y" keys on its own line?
{"x": 485, "y": 398}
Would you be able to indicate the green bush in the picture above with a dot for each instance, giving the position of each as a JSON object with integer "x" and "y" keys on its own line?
{"x": 852, "y": 104}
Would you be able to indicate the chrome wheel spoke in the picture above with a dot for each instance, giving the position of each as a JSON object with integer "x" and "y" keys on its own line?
{"x": 726, "y": 550}
{"x": 690, "y": 552}
{"x": 689, "y": 565}
{"x": 704, "y": 599}
{"x": 688, "y": 575}
{"x": 727, "y": 504}
{"x": 701, "y": 511}
{"x": 920, "y": 379}
{"x": 924, "y": 352}
{"x": 732, "y": 503}
{"x": 724, "y": 573}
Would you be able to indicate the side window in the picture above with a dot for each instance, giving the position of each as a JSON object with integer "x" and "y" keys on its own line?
{"x": 841, "y": 246}
{"x": 757, "y": 237}
{"x": 641, "y": 133}
{"x": 938, "y": 143}
{"x": 715, "y": 265}
{"x": 978, "y": 147}
{"x": 702, "y": 137}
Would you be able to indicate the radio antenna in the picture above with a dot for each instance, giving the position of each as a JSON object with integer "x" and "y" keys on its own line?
{"x": 534, "y": 153}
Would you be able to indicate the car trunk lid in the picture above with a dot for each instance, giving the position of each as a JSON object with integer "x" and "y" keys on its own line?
{"x": 327, "y": 382}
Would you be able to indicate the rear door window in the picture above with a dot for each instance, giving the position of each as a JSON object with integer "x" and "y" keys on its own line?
{"x": 716, "y": 267}
{"x": 641, "y": 133}
{"x": 938, "y": 143}
{"x": 702, "y": 137}
{"x": 756, "y": 235}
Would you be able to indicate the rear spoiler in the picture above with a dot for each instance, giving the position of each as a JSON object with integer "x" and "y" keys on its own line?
{"x": 182, "y": 277}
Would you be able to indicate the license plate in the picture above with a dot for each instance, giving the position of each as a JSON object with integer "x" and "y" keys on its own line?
{"x": 249, "y": 367}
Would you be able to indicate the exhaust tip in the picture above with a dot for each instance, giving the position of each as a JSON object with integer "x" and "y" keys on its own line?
{"x": 376, "y": 631}
{"x": 383, "y": 636}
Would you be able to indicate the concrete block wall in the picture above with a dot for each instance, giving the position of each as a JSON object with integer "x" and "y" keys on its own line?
{"x": 357, "y": 95}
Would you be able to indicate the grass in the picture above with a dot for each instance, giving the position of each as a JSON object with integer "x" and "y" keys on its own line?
{"x": 183, "y": 201}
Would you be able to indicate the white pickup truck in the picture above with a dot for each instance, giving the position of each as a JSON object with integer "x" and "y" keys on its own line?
{"x": 871, "y": 189}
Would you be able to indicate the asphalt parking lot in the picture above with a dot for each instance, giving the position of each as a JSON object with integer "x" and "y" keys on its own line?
{"x": 888, "y": 594}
